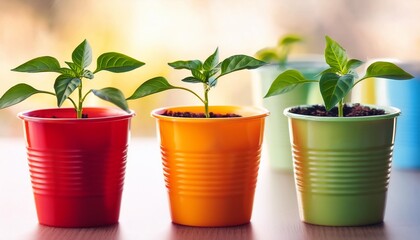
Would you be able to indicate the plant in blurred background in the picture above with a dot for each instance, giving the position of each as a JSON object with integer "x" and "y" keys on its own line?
{"x": 71, "y": 77}
{"x": 279, "y": 53}
{"x": 206, "y": 73}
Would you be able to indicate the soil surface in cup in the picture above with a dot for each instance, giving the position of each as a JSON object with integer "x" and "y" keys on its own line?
{"x": 199, "y": 115}
{"x": 83, "y": 116}
{"x": 355, "y": 110}
{"x": 54, "y": 116}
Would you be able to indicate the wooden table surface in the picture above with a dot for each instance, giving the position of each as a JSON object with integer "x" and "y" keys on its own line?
{"x": 145, "y": 210}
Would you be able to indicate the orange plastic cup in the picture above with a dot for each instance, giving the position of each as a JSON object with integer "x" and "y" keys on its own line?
{"x": 211, "y": 165}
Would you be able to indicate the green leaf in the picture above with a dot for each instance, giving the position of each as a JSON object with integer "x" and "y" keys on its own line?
{"x": 328, "y": 70}
{"x": 334, "y": 88}
{"x": 211, "y": 72}
{"x": 39, "y": 64}
{"x": 289, "y": 39}
{"x": 151, "y": 86}
{"x": 386, "y": 70}
{"x": 192, "y": 80}
{"x": 286, "y": 82}
{"x": 354, "y": 73}
{"x": 114, "y": 96}
{"x": 88, "y": 74}
{"x": 17, "y": 94}
{"x": 335, "y": 55}
{"x": 279, "y": 53}
{"x": 267, "y": 55}
{"x": 212, "y": 82}
{"x": 197, "y": 74}
{"x": 82, "y": 54}
{"x": 117, "y": 63}
{"x": 64, "y": 86}
{"x": 212, "y": 61}
{"x": 239, "y": 62}
{"x": 76, "y": 68}
{"x": 353, "y": 64}
{"x": 67, "y": 71}
{"x": 191, "y": 65}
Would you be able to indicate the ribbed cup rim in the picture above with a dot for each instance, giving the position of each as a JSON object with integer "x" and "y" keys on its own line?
{"x": 247, "y": 112}
{"x": 390, "y": 112}
{"x": 111, "y": 114}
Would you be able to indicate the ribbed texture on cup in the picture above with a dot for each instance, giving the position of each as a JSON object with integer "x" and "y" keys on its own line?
{"x": 342, "y": 172}
{"x": 77, "y": 173}
{"x": 210, "y": 175}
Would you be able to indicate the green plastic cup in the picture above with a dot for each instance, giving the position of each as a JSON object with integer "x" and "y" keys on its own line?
{"x": 342, "y": 167}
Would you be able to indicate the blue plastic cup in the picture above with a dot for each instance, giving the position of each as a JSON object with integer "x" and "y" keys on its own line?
{"x": 405, "y": 95}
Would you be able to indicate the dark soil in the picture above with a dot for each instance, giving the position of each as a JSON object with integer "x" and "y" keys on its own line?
{"x": 199, "y": 115}
{"x": 54, "y": 116}
{"x": 355, "y": 110}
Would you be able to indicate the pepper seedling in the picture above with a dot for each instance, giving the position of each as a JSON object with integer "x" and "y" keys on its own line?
{"x": 280, "y": 52}
{"x": 71, "y": 78}
{"x": 207, "y": 73}
{"x": 338, "y": 80}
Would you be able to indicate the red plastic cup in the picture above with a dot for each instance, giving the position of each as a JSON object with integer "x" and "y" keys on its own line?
{"x": 77, "y": 166}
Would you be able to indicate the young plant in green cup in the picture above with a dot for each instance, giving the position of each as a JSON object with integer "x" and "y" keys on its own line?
{"x": 77, "y": 156}
{"x": 342, "y": 164}
{"x": 338, "y": 80}
{"x": 71, "y": 78}
{"x": 206, "y": 73}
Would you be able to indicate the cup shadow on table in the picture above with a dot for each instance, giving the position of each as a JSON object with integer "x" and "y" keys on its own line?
{"x": 376, "y": 231}
{"x": 41, "y": 232}
{"x": 242, "y": 232}
{"x": 285, "y": 193}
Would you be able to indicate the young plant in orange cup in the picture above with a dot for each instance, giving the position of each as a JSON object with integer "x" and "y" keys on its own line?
{"x": 210, "y": 154}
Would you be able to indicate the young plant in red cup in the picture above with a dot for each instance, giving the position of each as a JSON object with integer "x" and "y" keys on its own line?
{"x": 77, "y": 156}
{"x": 342, "y": 152}
{"x": 210, "y": 154}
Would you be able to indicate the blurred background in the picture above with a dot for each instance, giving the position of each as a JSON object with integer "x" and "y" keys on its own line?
{"x": 161, "y": 31}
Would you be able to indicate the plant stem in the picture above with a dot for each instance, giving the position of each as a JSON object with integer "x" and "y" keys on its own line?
{"x": 79, "y": 109}
{"x": 195, "y": 94}
{"x": 50, "y": 93}
{"x": 72, "y": 101}
{"x": 83, "y": 99}
{"x": 206, "y": 100}
{"x": 69, "y": 98}
{"x": 340, "y": 108}
{"x": 283, "y": 55}
{"x": 359, "y": 81}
